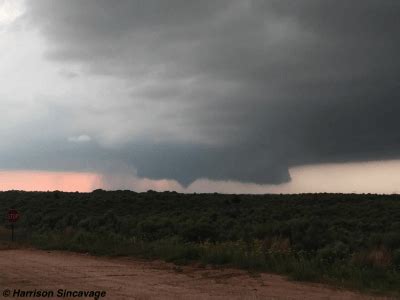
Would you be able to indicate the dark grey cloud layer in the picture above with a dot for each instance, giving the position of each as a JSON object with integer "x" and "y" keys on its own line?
{"x": 252, "y": 87}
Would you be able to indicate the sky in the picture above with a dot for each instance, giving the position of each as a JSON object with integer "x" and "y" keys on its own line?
{"x": 233, "y": 96}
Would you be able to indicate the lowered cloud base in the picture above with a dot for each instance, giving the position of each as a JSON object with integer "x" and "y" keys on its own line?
{"x": 374, "y": 177}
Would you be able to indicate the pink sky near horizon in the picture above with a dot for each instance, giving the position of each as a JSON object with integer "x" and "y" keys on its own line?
{"x": 368, "y": 177}
{"x": 48, "y": 181}
{"x": 30, "y": 180}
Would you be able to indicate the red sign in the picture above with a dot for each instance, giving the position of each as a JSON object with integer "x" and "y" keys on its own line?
{"x": 12, "y": 215}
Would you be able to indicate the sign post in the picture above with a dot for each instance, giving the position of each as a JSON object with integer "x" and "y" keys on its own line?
{"x": 12, "y": 217}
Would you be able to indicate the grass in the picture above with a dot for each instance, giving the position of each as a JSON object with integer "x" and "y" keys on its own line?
{"x": 237, "y": 254}
{"x": 351, "y": 241}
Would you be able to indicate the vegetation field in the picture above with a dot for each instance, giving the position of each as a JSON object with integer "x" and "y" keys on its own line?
{"x": 345, "y": 239}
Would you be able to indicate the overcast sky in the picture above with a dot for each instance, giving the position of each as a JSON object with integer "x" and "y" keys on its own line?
{"x": 221, "y": 95}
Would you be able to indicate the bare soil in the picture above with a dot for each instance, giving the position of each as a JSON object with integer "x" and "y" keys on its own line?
{"x": 126, "y": 278}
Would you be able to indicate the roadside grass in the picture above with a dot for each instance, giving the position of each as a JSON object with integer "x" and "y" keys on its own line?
{"x": 347, "y": 240}
{"x": 21, "y": 240}
{"x": 239, "y": 254}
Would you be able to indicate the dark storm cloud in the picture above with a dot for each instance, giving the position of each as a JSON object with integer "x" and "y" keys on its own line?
{"x": 259, "y": 85}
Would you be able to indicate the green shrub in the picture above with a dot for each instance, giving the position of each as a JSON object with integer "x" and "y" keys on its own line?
{"x": 351, "y": 240}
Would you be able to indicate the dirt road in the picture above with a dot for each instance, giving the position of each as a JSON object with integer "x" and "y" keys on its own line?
{"x": 124, "y": 278}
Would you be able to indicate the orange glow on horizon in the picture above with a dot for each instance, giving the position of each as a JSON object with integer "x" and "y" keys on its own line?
{"x": 48, "y": 181}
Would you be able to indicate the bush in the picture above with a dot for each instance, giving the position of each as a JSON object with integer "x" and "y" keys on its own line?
{"x": 333, "y": 253}
{"x": 346, "y": 239}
